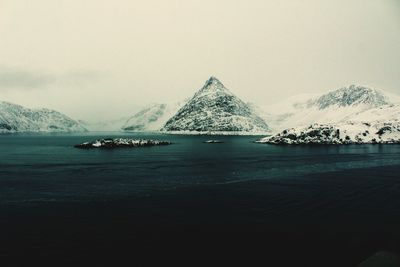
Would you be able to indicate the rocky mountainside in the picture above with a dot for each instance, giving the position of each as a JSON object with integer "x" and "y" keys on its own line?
{"x": 215, "y": 109}
{"x": 16, "y": 118}
{"x": 350, "y": 96}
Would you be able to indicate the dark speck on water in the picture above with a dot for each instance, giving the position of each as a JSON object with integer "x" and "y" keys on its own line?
{"x": 190, "y": 202}
{"x": 213, "y": 142}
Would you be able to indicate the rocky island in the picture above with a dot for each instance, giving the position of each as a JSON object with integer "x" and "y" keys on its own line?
{"x": 213, "y": 142}
{"x": 121, "y": 142}
{"x": 338, "y": 134}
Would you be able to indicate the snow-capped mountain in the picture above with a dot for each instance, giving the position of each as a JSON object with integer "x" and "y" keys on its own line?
{"x": 333, "y": 107}
{"x": 16, "y": 118}
{"x": 350, "y": 96}
{"x": 151, "y": 118}
{"x": 215, "y": 109}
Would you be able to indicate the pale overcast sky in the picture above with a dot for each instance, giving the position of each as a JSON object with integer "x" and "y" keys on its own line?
{"x": 107, "y": 58}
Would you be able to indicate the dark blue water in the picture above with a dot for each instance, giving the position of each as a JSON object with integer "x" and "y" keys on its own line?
{"x": 346, "y": 198}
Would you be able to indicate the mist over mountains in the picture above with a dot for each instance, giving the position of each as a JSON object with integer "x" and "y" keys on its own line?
{"x": 215, "y": 109}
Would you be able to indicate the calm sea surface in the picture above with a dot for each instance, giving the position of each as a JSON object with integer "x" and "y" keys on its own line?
{"x": 345, "y": 200}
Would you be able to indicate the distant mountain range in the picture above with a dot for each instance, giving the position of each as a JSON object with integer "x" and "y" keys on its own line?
{"x": 16, "y": 118}
{"x": 215, "y": 109}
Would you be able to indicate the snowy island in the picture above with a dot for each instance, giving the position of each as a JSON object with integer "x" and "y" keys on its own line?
{"x": 121, "y": 142}
{"x": 337, "y": 134}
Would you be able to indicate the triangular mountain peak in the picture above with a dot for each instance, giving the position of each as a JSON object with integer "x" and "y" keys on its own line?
{"x": 212, "y": 88}
{"x": 214, "y": 109}
{"x": 213, "y": 81}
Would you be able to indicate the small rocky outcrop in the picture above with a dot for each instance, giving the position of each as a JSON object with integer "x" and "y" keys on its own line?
{"x": 121, "y": 142}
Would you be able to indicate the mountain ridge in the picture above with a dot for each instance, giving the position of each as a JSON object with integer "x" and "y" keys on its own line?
{"x": 351, "y": 96}
{"x": 17, "y": 118}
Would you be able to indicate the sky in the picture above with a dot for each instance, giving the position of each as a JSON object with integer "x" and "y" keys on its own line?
{"x": 98, "y": 59}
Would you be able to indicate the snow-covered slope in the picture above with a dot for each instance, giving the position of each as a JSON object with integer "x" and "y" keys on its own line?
{"x": 336, "y": 106}
{"x": 340, "y": 133}
{"x": 215, "y": 109}
{"x": 16, "y": 118}
{"x": 385, "y": 113}
{"x": 151, "y": 118}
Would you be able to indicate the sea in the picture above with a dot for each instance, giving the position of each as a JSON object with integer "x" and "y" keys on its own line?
{"x": 195, "y": 203}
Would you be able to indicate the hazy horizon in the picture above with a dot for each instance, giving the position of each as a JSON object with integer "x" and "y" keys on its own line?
{"x": 94, "y": 59}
